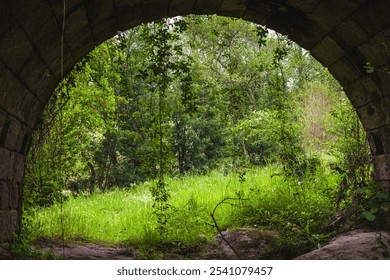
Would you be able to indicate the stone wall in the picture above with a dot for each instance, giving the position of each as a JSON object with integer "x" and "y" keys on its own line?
{"x": 342, "y": 34}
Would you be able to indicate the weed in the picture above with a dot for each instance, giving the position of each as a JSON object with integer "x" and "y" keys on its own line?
{"x": 298, "y": 209}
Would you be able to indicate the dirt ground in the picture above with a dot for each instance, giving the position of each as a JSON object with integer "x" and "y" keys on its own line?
{"x": 248, "y": 244}
{"x": 82, "y": 251}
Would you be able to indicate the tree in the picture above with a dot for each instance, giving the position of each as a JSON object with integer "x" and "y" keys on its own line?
{"x": 180, "y": 95}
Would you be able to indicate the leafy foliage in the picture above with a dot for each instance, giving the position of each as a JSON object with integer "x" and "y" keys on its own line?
{"x": 273, "y": 202}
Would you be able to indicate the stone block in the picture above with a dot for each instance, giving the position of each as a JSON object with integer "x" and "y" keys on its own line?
{"x": 9, "y": 223}
{"x": 331, "y": 13}
{"x": 4, "y": 125}
{"x": 328, "y": 51}
{"x": 80, "y": 45}
{"x": 154, "y": 10}
{"x": 11, "y": 92}
{"x": 5, "y": 160}
{"x": 12, "y": 165}
{"x": 9, "y": 137}
{"x": 257, "y": 12}
{"x": 308, "y": 35}
{"x": 26, "y": 141}
{"x": 371, "y": 16}
{"x": 181, "y": 7}
{"x": 69, "y": 63}
{"x": 22, "y": 139}
{"x": 382, "y": 80}
{"x": 363, "y": 91}
{"x": 46, "y": 87}
{"x": 15, "y": 196}
{"x": 346, "y": 71}
{"x": 207, "y": 6}
{"x": 306, "y": 6}
{"x": 48, "y": 43}
{"x": 351, "y": 33}
{"x": 375, "y": 114}
{"x": 4, "y": 195}
{"x": 105, "y": 30}
{"x": 14, "y": 221}
{"x": 15, "y": 49}
{"x": 87, "y": 46}
{"x": 17, "y": 165}
{"x": 4, "y": 251}
{"x": 58, "y": 7}
{"x": 385, "y": 186}
{"x": 100, "y": 11}
{"x": 129, "y": 15}
{"x": 30, "y": 108}
{"x": 376, "y": 51}
{"x": 76, "y": 25}
{"x": 385, "y": 135}
{"x": 123, "y": 4}
{"x": 233, "y": 8}
{"x": 382, "y": 167}
{"x": 379, "y": 140}
{"x": 7, "y": 20}
{"x": 5, "y": 225}
{"x": 31, "y": 14}
{"x": 36, "y": 76}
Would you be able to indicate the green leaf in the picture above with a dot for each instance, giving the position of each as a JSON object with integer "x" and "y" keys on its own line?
{"x": 382, "y": 195}
{"x": 361, "y": 190}
{"x": 386, "y": 255}
{"x": 369, "y": 216}
{"x": 369, "y": 68}
{"x": 373, "y": 210}
{"x": 385, "y": 207}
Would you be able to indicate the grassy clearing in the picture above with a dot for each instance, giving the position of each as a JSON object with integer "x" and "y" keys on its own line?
{"x": 294, "y": 207}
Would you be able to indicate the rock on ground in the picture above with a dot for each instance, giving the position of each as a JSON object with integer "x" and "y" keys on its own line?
{"x": 84, "y": 251}
{"x": 4, "y": 254}
{"x": 353, "y": 245}
{"x": 249, "y": 243}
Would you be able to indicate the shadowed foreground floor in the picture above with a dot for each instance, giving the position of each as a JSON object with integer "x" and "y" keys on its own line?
{"x": 248, "y": 243}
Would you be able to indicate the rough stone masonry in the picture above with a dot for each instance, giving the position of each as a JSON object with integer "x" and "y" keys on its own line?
{"x": 344, "y": 35}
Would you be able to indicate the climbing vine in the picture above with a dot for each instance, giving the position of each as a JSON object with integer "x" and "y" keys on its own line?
{"x": 165, "y": 63}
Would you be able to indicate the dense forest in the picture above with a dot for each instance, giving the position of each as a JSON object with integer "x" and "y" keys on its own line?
{"x": 182, "y": 100}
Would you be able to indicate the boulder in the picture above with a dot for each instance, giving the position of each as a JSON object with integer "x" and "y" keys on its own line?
{"x": 249, "y": 243}
{"x": 4, "y": 254}
{"x": 353, "y": 245}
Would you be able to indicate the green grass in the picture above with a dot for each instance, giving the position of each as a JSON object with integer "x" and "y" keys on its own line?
{"x": 272, "y": 201}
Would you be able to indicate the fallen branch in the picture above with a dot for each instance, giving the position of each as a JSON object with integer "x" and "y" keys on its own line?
{"x": 218, "y": 228}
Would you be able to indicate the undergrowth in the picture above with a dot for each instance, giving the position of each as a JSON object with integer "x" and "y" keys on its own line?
{"x": 297, "y": 208}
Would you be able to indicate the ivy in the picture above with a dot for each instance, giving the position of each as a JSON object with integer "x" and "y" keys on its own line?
{"x": 166, "y": 62}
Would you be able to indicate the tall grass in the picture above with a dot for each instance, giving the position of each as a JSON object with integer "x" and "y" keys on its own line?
{"x": 268, "y": 200}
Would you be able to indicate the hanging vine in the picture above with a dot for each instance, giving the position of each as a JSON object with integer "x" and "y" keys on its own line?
{"x": 164, "y": 64}
{"x": 60, "y": 132}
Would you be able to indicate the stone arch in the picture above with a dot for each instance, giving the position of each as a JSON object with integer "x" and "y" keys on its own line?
{"x": 341, "y": 34}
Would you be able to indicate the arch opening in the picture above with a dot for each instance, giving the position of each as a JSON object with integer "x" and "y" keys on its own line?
{"x": 343, "y": 35}
{"x": 118, "y": 40}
